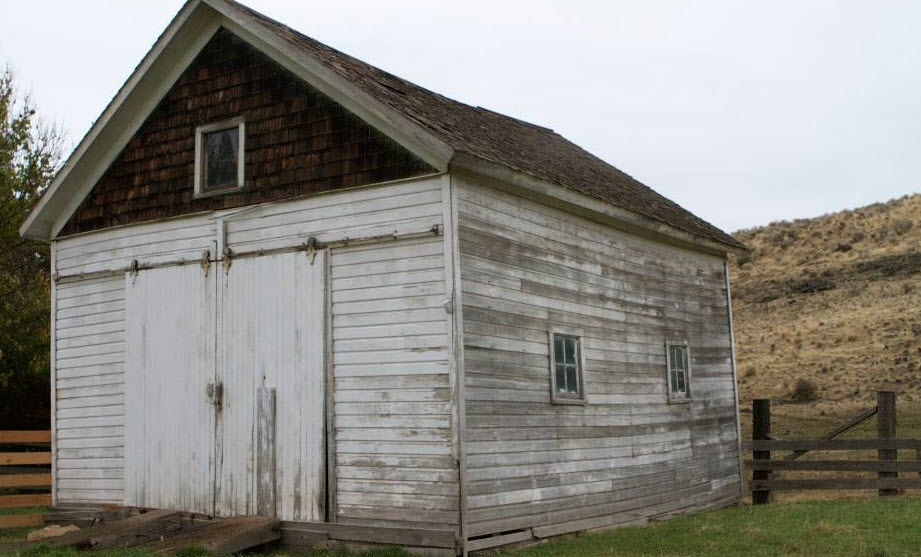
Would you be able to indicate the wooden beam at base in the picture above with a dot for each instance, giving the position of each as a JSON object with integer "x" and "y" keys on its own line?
{"x": 414, "y": 537}
{"x": 132, "y": 531}
{"x": 25, "y": 480}
{"x": 21, "y": 520}
{"x": 13, "y": 501}
{"x": 496, "y": 541}
{"x": 24, "y": 458}
{"x": 223, "y": 537}
{"x": 13, "y": 437}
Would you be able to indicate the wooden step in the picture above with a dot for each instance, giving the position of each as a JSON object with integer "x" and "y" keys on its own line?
{"x": 222, "y": 537}
{"x": 136, "y": 530}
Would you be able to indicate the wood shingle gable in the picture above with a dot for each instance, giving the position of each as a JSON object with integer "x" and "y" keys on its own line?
{"x": 298, "y": 142}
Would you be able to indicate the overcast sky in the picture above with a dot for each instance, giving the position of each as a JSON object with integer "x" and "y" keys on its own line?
{"x": 743, "y": 112}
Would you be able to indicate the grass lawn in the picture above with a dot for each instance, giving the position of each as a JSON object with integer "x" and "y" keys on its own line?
{"x": 865, "y": 528}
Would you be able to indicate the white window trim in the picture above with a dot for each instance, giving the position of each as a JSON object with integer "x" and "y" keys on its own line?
{"x": 200, "y": 132}
{"x": 560, "y": 398}
{"x": 672, "y": 396}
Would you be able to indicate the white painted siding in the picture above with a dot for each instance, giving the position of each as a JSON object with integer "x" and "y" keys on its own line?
{"x": 374, "y": 283}
{"x": 90, "y": 390}
{"x": 395, "y": 456}
{"x": 627, "y": 454}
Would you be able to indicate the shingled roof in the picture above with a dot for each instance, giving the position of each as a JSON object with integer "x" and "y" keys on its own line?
{"x": 527, "y": 148}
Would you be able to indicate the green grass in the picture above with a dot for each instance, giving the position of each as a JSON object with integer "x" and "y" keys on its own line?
{"x": 864, "y": 528}
{"x": 848, "y": 528}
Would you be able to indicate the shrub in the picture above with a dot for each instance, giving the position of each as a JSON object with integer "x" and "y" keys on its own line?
{"x": 902, "y": 226}
{"x": 804, "y": 390}
{"x": 744, "y": 259}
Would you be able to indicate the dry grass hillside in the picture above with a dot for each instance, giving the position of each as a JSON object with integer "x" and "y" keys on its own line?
{"x": 827, "y": 310}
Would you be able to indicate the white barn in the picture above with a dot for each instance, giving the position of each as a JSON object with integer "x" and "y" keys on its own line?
{"x": 289, "y": 283}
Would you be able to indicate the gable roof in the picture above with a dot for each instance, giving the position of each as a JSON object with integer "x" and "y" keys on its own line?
{"x": 444, "y": 127}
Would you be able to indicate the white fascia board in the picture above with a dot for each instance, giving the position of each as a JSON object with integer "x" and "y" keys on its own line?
{"x": 41, "y": 224}
{"x": 507, "y": 179}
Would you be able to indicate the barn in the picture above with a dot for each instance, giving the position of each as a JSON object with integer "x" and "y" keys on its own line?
{"x": 288, "y": 283}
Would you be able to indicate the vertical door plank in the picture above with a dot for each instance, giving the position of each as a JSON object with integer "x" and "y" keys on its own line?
{"x": 265, "y": 452}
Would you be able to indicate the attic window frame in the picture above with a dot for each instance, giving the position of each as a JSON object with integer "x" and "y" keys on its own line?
{"x": 200, "y": 133}
{"x": 567, "y": 398}
{"x": 677, "y": 397}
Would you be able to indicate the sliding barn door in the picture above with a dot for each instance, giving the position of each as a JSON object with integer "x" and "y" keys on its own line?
{"x": 271, "y": 444}
{"x": 169, "y": 364}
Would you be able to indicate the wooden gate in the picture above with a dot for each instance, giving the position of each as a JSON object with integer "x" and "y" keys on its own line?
{"x": 886, "y": 469}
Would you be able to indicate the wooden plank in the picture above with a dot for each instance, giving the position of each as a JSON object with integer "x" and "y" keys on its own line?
{"x": 32, "y": 500}
{"x": 839, "y": 429}
{"x": 834, "y": 444}
{"x": 21, "y": 520}
{"x": 13, "y": 437}
{"x": 837, "y": 465}
{"x": 496, "y": 541}
{"x": 132, "y": 531}
{"x": 761, "y": 429}
{"x": 265, "y": 451}
{"x": 423, "y": 537}
{"x": 16, "y": 459}
{"x": 223, "y": 537}
{"x": 885, "y": 429}
{"x": 838, "y": 483}
{"x": 25, "y": 480}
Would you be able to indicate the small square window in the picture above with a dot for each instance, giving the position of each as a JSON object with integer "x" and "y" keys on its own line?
{"x": 219, "y": 153}
{"x": 566, "y": 365}
{"x": 679, "y": 372}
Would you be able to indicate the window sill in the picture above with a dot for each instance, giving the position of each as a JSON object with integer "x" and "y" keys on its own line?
{"x": 215, "y": 193}
{"x": 567, "y": 401}
{"x": 682, "y": 400}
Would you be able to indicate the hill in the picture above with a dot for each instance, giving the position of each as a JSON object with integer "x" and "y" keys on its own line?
{"x": 827, "y": 310}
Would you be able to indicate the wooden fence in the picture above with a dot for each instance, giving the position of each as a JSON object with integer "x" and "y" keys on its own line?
{"x": 887, "y": 466}
{"x": 25, "y": 475}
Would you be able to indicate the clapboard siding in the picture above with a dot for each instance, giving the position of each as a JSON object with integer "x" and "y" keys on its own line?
{"x": 395, "y": 455}
{"x": 89, "y": 398}
{"x": 626, "y": 454}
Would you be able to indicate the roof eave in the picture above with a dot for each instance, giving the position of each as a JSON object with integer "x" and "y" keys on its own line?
{"x": 515, "y": 181}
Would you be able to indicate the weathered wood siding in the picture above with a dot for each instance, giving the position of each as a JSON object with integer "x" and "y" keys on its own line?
{"x": 626, "y": 454}
{"x": 395, "y": 456}
{"x": 371, "y": 283}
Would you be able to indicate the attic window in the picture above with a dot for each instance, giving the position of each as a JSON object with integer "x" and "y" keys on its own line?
{"x": 219, "y": 157}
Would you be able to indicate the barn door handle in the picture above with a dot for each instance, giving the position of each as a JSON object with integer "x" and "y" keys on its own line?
{"x": 216, "y": 394}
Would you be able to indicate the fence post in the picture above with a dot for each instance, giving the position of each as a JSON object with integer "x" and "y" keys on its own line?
{"x": 761, "y": 430}
{"x": 885, "y": 428}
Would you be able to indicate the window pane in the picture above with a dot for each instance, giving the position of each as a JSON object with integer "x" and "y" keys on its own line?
{"x": 560, "y": 378}
{"x": 220, "y": 150}
{"x": 678, "y": 369}
{"x": 571, "y": 350}
{"x": 572, "y": 381}
{"x": 557, "y": 349}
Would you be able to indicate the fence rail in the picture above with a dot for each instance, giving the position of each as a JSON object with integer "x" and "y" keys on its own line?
{"x": 32, "y": 472}
{"x": 765, "y": 466}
